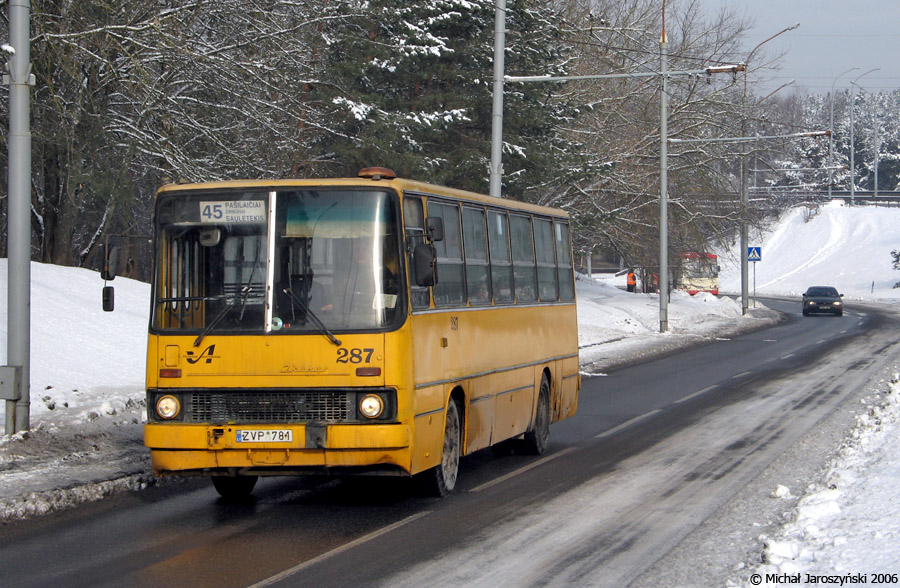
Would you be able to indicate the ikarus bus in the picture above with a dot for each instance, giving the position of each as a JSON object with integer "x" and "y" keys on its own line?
{"x": 371, "y": 325}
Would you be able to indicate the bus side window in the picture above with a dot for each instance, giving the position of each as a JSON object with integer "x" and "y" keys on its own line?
{"x": 523, "y": 258}
{"x": 546, "y": 260}
{"x": 450, "y": 289}
{"x": 564, "y": 261}
{"x": 478, "y": 284}
{"x": 501, "y": 268}
{"x": 414, "y": 220}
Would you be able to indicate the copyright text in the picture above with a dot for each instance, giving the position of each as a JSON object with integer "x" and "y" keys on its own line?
{"x": 822, "y": 579}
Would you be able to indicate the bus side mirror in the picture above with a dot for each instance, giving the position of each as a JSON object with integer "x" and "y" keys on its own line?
{"x": 109, "y": 298}
{"x": 425, "y": 261}
{"x": 434, "y": 226}
{"x": 110, "y": 264}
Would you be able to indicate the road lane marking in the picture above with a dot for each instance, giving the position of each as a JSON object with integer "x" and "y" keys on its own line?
{"x": 347, "y": 546}
{"x": 740, "y": 375}
{"x": 788, "y": 356}
{"x": 522, "y": 470}
{"x": 626, "y": 424}
{"x": 697, "y": 393}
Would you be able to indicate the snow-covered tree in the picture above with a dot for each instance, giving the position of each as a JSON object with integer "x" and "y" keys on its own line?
{"x": 619, "y": 210}
{"x": 409, "y": 86}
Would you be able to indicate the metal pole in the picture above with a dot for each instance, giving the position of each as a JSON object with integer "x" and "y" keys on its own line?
{"x": 852, "y": 148}
{"x": 831, "y": 140}
{"x": 877, "y": 142}
{"x": 745, "y": 180}
{"x": 663, "y": 287}
{"x": 19, "y": 238}
{"x": 496, "y": 173}
{"x": 852, "y": 145}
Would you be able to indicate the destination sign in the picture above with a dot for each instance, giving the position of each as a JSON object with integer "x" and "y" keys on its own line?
{"x": 233, "y": 211}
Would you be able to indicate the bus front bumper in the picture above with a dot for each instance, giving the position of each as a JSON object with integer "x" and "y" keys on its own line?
{"x": 204, "y": 449}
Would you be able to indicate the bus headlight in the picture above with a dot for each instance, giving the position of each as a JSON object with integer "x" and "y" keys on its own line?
{"x": 168, "y": 407}
{"x": 371, "y": 406}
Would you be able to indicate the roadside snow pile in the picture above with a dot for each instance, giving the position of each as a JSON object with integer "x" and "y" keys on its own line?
{"x": 835, "y": 529}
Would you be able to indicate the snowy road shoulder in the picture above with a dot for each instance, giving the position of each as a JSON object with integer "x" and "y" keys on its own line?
{"x": 841, "y": 525}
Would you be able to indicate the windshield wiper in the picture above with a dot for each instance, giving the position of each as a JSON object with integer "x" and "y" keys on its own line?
{"x": 305, "y": 307}
{"x": 229, "y": 306}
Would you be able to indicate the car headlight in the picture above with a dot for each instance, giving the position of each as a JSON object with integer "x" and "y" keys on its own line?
{"x": 838, "y": 303}
{"x": 371, "y": 406}
{"x": 168, "y": 407}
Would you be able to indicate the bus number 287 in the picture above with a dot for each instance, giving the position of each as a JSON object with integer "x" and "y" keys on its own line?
{"x": 355, "y": 355}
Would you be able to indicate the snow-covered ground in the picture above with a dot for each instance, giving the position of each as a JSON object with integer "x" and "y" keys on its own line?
{"x": 87, "y": 374}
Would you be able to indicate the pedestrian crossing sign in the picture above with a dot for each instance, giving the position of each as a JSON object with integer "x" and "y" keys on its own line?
{"x": 754, "y": 253}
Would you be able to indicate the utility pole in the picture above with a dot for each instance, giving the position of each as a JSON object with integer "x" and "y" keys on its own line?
{"x": 663, "y": 282}
{"x": 831, "y": 142}
{"x": 16, "y": 375}
{"x": 852, "y": 145}
{"x": 745, "y": 180}
{"x": 496, "y": 174}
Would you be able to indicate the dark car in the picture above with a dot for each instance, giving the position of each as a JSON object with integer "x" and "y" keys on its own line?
{"x": 822, "y": 299}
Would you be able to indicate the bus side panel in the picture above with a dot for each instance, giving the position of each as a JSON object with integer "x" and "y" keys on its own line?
{"x": 479, "y": 415}
{"x": 428, "y": 428}
{"x": 496, "y": 356}
{"x": 516, "y": 399}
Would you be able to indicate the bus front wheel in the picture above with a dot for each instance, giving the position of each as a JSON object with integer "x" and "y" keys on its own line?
{"x": 234, "y": 487}
{"x": 441, "y": 479}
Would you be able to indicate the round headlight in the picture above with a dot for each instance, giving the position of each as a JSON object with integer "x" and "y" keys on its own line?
{"x": 371, "y": 406}
{"x": 168, "y": 407}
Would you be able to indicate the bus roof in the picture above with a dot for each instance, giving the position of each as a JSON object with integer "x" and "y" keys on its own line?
{"x": 386, "y": 181}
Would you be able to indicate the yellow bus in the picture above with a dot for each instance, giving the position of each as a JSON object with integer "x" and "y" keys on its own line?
{"x": 371, "y": 325}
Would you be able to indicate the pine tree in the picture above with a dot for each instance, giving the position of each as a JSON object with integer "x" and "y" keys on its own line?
{"x": 410, "y": 88}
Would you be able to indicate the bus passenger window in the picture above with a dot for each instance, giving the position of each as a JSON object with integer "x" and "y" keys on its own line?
{"x": 523, "y": 258}
{"x": 546, "y": 260}
{"x": 450, "y": 288}
{"x": 478, "y": 284}
{"x": 564, "y": 262}
{"x": 501, "y": 268}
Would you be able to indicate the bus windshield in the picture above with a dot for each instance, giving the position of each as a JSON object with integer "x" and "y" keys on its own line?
{"x": 291, "y": 261}
{"x": 701, "y": 268}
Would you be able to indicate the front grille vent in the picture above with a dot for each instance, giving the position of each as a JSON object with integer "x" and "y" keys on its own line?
{"x": 269, "y": 406}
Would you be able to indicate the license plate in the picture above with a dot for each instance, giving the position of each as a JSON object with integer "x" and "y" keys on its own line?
{"x": 265, "y": 435}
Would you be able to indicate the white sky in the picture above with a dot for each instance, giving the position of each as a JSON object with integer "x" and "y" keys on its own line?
{"x": 834, "y": 36}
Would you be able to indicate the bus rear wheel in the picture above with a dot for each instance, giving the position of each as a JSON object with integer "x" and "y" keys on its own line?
{"x": 441, "y": 479}
{"x": 537, "y": 440}
{"x": 234, "y": 487}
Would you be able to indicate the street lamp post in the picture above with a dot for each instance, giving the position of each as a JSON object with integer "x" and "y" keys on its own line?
{"x": 852, "y": 145}
{"x": 831, "y": 139}
{"x": 876, "y": 142}
{"x": 745, "y": 179}
{"x": 663, "y": 281}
